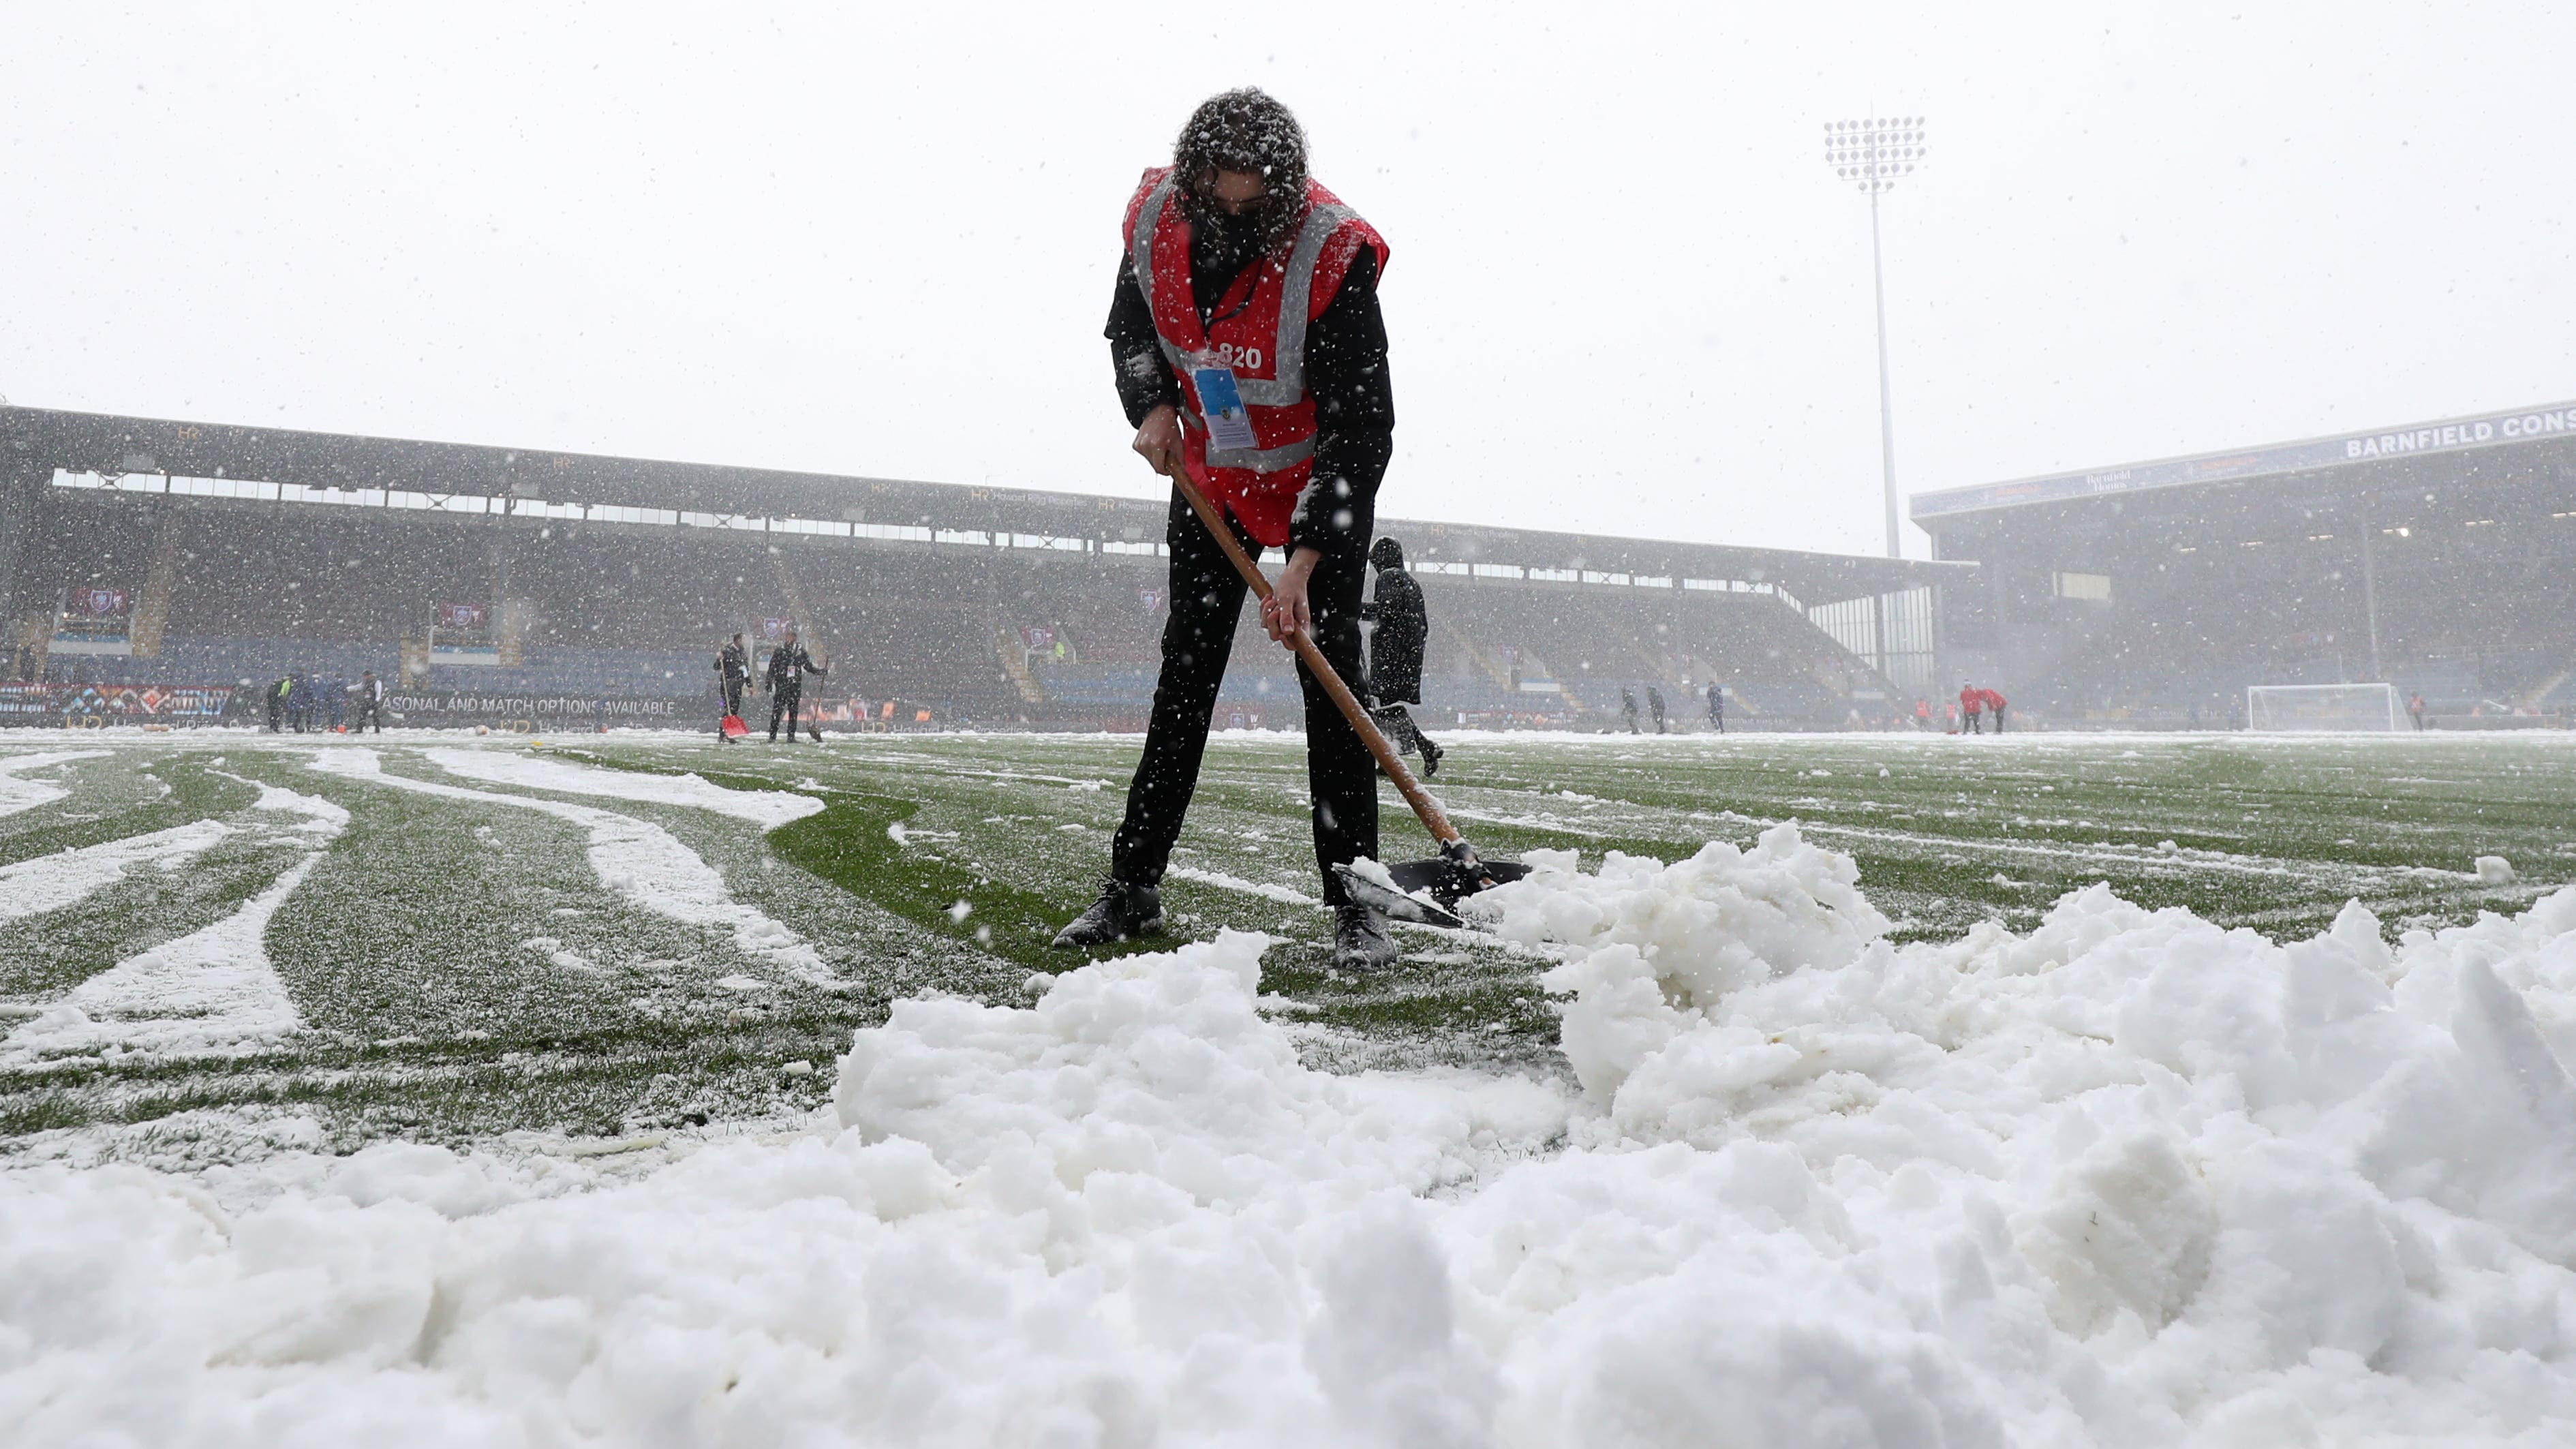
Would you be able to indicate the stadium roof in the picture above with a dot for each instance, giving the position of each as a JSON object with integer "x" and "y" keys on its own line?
{"x": 2554, "y": 423}
{"x": 38, "y": 441}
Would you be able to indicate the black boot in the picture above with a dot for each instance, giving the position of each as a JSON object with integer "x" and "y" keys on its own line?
{"x": 1123, "y": 912}
{"x": 1431, "y": 754}
{"x": 1360, "y": 941}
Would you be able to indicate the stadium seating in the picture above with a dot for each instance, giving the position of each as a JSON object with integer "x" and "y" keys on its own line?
{"x": 607, "y": 610}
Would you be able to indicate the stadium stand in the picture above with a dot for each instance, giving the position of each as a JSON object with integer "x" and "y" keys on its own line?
{"x": 145, "y": 554}
{"x": 2439, "y": 557}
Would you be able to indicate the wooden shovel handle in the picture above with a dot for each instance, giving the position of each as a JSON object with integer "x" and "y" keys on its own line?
{"x": 1434, "y": 819}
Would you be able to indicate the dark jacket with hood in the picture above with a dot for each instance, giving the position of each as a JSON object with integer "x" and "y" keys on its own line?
{"x": 733, "y": 667}
{"x": 788, "y": 666}
{"x": 1403, "y": 627}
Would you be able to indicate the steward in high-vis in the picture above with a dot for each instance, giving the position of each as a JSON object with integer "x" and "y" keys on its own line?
{"x": 1250, "y": 351}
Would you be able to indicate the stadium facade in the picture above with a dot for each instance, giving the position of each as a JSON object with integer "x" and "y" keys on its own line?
{"x": 150, "y": 569}
{"x": 2439, "y": 557}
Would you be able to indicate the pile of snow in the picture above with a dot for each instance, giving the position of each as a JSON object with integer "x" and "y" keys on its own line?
{"x": 2131, "y": 1179}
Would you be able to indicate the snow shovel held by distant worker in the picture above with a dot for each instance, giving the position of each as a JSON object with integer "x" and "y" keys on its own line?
{"x": 1423, "y": 891}
{"x": 731, "y": 726}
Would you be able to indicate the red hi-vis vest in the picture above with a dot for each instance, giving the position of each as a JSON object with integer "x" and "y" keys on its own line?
{"x": 1259, "y": 329}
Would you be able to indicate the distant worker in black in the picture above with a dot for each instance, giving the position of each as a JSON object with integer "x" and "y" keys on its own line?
{"x": 1395, "y": 653}
{"x": 788, "y": 666}
{"x": 371, "y": 702}
{"x": 1628, "y": 707}
{"x": 1717, "y": 706}
{"x": 1655, "y": 706}
{"x": 335, "y": 702}
{"x": 299, "y": 702}
{"x": 733, "y": 676}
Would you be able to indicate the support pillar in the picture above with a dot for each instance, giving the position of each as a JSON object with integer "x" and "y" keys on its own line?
{"x": 152, "y": 611}
{"x": 2370, "y": 596}
{"x": 20, "y": 493}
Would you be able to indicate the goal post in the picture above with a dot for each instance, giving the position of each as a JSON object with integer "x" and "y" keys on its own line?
{"x": 2323, "y": 707}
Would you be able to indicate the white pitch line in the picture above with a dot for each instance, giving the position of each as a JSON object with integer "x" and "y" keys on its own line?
{"x": 767, "y": 809}
{"x": 17, "y": 794}
{"x": 635, "y": 858}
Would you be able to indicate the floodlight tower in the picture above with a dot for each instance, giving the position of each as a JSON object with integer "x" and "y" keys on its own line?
{"x": 1873, "y": 155}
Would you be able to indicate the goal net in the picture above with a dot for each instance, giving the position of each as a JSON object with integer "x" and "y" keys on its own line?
{"x": 2322, "y": 707}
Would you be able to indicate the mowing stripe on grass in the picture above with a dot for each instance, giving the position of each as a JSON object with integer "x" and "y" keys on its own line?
{"x": 50, "y": 882}
{"x": 767, "y": 809}
{"x": 211, "y": 993}
{"x": 635, "y": 858}
{"x": 17, "y": 794}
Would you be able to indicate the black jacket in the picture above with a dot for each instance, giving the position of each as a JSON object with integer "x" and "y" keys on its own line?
{"x": 733, "y": 667}
{"x": 1395, "y": 649}
{"x": 1346, "y": 374}
{"x": 788, "y": 666}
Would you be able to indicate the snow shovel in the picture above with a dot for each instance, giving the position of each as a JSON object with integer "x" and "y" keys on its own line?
{"x": 1459, "y": 871}
{"x": 731, "y": 727}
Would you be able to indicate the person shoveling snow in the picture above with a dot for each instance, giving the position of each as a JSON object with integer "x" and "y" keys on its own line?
{"x": 1251, "y": 356}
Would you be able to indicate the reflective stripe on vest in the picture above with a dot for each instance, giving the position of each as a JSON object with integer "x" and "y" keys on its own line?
{"x": 1259, "y": 460}
{"x": 1297, "y": 291}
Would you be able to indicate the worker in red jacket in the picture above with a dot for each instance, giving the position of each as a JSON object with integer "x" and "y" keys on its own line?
{"x": 1995, "y": 707}
{"x": 1972, "y": 702}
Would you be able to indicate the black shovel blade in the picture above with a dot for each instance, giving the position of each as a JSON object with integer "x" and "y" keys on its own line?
{"x": 1445, "y": 880}
{"x": 1448, "y": 880}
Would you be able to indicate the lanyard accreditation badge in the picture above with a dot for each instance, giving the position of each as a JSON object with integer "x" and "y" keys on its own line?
{"x": 1221, "y": 402}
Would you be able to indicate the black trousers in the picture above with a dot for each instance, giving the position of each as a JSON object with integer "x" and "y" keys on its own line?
{"x": 1396, "y": 723}
{"x": 370, "y": 709}
{"x": 784, "y": 702}
{"x": 1198, "y": 637}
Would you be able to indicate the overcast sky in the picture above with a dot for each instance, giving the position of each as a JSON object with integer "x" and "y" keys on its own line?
{"x": 1627, "y": 295}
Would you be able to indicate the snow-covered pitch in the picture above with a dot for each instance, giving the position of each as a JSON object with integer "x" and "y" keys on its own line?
{"x": 1792, "y": 1172}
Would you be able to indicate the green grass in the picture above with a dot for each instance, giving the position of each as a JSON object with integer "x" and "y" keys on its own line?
{"x": 430, "y": 1016}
